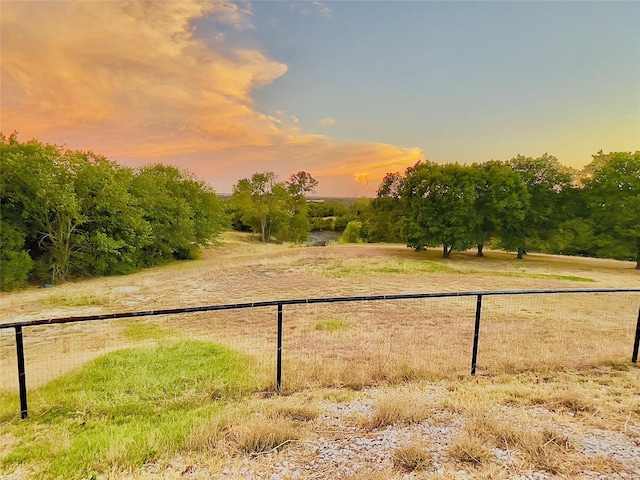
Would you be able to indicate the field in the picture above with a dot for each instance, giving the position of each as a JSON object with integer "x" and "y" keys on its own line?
{"x": 370, "y": 390}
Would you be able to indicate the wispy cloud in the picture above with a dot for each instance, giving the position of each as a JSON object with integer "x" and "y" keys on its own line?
{"x": 311, "y": 8}
{"x": 327, "y": 122}
{"x": 133, "y": 81}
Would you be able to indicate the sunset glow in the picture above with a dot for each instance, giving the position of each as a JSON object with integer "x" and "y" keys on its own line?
{"x": 227, "y": 89}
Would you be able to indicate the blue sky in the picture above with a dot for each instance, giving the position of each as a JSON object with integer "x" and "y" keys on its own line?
{"x": 345, "y": 90}
{"x": 504, "y": 77}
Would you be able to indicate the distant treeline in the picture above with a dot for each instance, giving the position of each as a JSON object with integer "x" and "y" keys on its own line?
{"x": 68, "y": 214}
{"x": 534, "y": 204}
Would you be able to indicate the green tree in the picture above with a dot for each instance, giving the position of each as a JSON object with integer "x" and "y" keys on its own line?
{"x": 612, "y": 190}
{"x": 114, "y": 230}
{"x": 272, "y": 208}
{"x": 545, "y": 177}
{"x": 353, "y": 233}
{"x": 440, "y": 205}
{"x": 296, "y": 224}
{"x": 38, "y": 191}
{"x": 388, "y": 209}
{"x": 71, "y": 213}
{"x": 501, "y": 201}
{"x": 182, "y": 213}
{"x": 15, "y": 262}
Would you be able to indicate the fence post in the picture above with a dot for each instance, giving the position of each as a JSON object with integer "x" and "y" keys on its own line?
{"x": 476, "y": 335}
{"x": 279, "y": 350}
{"x": 636, "y": 344}
{"x": 22, "y": 376}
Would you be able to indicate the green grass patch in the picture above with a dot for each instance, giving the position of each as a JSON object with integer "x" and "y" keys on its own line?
{"x": 124, "y": 409}
{"x": 360, "y": 267}
{"x": 140, "y": 330}
{"x": 332, "y": 325}
{"x": 570, "y": 278}
{"x": 84, "y": 300}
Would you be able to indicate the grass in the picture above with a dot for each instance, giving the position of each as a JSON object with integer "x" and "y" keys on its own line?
{"x": 549, "y": 368}
{"x": 412, "y": 456}
{"x": 259, "y": 434}
{"x": 332, "y": 325}
{"x": 398, "y": 408}
{"x": 570, "y": 278}
{"x": 357, "y": 268}
{"x": 68, "y": 299}
{"x": 139, "y": 330}
{"x": 126, "y": 408}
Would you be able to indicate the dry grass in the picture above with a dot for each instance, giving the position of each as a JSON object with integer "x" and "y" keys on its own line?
{"x": 546, "y": 363}
{"x": 263, "y": 435}
{"x": 400, "y": 407}
{"x": 469, "y": 449}
{"x": 412, "y": 456}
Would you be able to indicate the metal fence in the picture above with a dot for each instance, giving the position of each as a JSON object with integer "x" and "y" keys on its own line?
{"x": 19, "y": 327}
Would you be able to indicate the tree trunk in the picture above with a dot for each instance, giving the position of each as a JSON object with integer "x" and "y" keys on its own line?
{"x": 480, "y": 248}
{"x": 638, "y": 253}
{"x": 520, "y": 253}
{"x": 446, "y": 251}
{"x": 263, "y": 228}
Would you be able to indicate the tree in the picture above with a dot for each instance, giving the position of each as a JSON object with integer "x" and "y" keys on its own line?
{"x": 114, "y": 230}
{"x": 182, "y": 213}
{"x": 388, "y": 210}
{"x": 69, "y": 213}
{"x": 440, "y": 203}
{"x": 273, "y": 208}
{"x": 15, "y": 262}
{"x": 612, "y": 190}
{"x": 38, "y": 192}
{"x": 353, "y": 232}
{"x": 296, "y": 224}
{"x": 545, "y": 177}
{"x": 501, "y": 201}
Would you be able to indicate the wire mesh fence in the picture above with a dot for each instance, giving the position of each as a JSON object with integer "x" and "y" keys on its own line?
{"x": 350, "y": 341}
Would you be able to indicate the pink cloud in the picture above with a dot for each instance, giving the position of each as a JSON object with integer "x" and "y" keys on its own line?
{"x": 131, "y": 80}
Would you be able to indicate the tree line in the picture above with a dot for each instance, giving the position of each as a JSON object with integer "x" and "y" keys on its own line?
{"x": 67, "y": 213}
{"x": 522, "y": 204}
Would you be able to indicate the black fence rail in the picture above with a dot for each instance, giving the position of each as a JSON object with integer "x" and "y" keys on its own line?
{"x": 279, "y": 304}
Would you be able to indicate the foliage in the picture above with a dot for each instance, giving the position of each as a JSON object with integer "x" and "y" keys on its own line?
{"x": 545, "y": 178}
{"x": 15, "y": 263}
{"x": 501, "y": 201}
{"x": 353, "y": 233}
{"x": 440, "y": 203}
{"x": 274, "y": 209}
{"x": 68, "y": 213}
{"x": 181, "y": 213}
{"x": 38, "y": 197}
{"x": 522, "y": 203}
{"x": 612, "y": 193}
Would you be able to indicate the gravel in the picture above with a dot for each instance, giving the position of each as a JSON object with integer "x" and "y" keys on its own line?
{"x": 343, "y": 449}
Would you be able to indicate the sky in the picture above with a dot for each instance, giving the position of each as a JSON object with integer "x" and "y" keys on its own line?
{"x": 345, "y": 90}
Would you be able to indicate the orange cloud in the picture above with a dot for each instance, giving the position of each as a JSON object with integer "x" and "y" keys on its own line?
{"x": 133, "y": 81}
